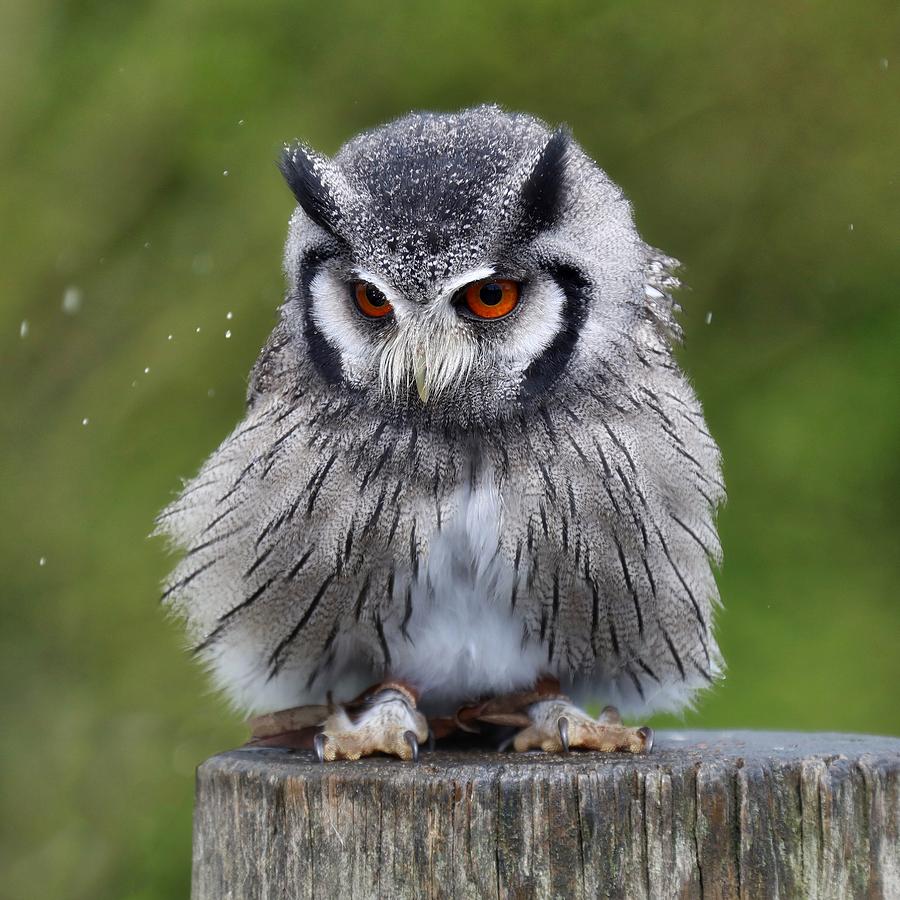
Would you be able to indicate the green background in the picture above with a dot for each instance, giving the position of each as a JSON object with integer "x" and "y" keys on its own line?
{"x": 760, "y": 143}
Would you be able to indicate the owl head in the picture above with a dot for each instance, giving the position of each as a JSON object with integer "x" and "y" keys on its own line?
{"x": 458, "y": 267}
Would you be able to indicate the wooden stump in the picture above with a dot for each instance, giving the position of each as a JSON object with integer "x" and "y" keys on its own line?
{"x": 707, "y": 814}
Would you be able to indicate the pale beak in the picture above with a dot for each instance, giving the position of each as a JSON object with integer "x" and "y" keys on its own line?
{"x": 421, "y": 370}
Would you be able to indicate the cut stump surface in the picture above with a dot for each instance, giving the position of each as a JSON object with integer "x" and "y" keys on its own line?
{"x": 707, "y": 814}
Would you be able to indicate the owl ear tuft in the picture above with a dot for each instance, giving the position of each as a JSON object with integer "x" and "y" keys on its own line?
{"x": 542, "y": 192}
{"x": 303, "y": 170}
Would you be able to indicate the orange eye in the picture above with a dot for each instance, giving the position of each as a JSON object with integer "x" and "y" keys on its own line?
{"x": 370, "y": 300}
{"x": 492, "y": 298}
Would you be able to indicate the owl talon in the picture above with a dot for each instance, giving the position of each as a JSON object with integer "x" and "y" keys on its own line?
{"x": 562, "y": 723}
{"x": 557, "y": 726}
{"x": 388, "y": 723}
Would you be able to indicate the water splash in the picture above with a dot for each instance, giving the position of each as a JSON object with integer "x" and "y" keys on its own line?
{"x": 71, "y": 301}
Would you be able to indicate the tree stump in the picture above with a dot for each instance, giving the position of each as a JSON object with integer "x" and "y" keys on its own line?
{"x": 707, "y": 814}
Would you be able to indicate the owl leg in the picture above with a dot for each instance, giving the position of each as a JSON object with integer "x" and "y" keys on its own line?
{"x": 386, "y": 722}
{"x": 558, "y": 725}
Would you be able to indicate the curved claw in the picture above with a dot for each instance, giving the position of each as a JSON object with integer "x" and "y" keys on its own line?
{"x": 319, "y": 746}
{"x": 413, "y": 741}
{"x": 647, "y": 734}
{"x": 562, "y": 723}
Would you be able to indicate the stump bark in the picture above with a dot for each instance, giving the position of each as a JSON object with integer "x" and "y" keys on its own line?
{"x": 707, "y": 814}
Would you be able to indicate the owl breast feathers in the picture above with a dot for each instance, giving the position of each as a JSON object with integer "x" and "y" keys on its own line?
{"x": 468, "y": 457}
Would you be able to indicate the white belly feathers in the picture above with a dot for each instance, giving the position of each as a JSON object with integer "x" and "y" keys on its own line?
{"x": 464, "y": 640}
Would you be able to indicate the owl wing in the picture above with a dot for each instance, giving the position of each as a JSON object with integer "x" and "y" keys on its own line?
{"x": 302, "y": 536}
{"x": 610, "y": 527}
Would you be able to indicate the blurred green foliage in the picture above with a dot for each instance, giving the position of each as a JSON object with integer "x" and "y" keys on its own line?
{"x": 760, "y": 143}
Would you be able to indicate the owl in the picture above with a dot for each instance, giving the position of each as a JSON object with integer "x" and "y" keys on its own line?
{"x": 472, "y": 483}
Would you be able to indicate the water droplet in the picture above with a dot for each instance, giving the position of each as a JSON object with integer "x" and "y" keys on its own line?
{"x": 883, "y": 62}
{"x": 85, "y": 420}
{"x": 225, "y": 172}
{"x": 709, "y": 317}
{"x": 23, "y": 328}
{"x": 211, "y": 392}
{"x": 851, "y": 226}
{"x": 228, "y": 334}
{"x": 71, "y": 301}
{"x": 240, "y": 121}
{"x": 198, "y": 329}
{"x": 134, "y": 384}
{"x": 229, "y": 315}
{"x": 42, "y": 561}
{"x": 147, "y": 245}
{"x": 146, "y": 370}
{"x": 169, "y": 338}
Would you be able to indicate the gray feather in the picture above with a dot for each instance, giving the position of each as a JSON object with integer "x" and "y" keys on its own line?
{"x": 560, "y": 495}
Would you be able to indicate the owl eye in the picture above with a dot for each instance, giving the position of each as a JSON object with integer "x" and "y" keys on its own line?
{"x": 491, "y": 298}
{"x": 370, "y": 300}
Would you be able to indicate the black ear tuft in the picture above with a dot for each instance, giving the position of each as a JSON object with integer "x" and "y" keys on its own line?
{"x": 300, "y": 172}
{"x": 542, "y": 192}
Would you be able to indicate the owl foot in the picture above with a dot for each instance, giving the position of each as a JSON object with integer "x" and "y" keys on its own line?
{"x": 388, "y": 722}
{"x": 558, "y": 725}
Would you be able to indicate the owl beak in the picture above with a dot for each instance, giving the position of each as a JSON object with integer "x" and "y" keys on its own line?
{"x": 421, "y": 374}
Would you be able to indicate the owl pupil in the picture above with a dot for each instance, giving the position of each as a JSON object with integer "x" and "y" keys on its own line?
{"x": 374, "y": 296}
{"x": 491, "y": 293}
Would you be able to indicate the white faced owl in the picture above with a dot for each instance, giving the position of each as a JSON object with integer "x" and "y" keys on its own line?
{"x": 470, "y": 468}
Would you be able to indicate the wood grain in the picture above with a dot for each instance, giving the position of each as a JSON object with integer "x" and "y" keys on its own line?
{"x": 707, "y": 814}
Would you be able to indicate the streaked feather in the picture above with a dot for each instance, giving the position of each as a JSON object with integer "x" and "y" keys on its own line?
{"x": 552, "y": 507}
